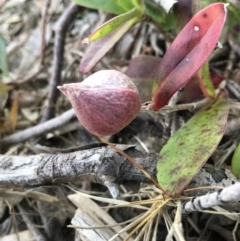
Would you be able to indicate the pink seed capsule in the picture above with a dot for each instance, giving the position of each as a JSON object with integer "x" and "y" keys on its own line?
{"x": 105, "y": 102}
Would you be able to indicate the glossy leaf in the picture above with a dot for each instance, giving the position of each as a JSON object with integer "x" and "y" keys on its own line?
{"x": 113, "y": 24}
{"x": 99, "y": 49}
{"x": 188, "y": 52}
{"x": 109, "y": 6}
{"x": 236, "y": 162}
{"x": 191, "y": 146}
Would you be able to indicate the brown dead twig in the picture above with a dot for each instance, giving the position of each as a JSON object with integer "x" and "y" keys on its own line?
{"x": 62, "y": 26}
{"x": 58, "y": 121}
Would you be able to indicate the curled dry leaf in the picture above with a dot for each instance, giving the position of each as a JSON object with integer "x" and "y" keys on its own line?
{"x": 98, "y": 49}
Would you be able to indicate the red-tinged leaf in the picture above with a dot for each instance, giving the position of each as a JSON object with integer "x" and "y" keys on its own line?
{"x": 192, "y": 91}
{"x": 191, "y": 146}
{"x": 143, "y": 72}
{"x": 188, "y": 52}
{"x": 99, "y": 49}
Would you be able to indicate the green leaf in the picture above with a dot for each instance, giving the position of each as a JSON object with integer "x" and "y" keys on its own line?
{"x": 137, "y": 3}
{"x": 110, "y": 6}
{"x": 205, "y": 82}
{"x": 191, "y": 146}
{"x": 236, "y": 162}
{"x": 127, "y": 5}
{"x": 113, "y": 24}
{"x": 3, "y": 58}
{"x": 154, "y": 11}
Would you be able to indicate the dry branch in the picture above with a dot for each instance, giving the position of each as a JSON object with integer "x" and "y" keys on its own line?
{"x": 96, "y": 162}
{"x": 62, "y": 26}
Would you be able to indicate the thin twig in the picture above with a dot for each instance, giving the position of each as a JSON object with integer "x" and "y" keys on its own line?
{"x": 39, "y": 129}
{"x": 226, "y": 195}
{"x": 132, "y": 161}
{"x": 169, "y": 116}
{"x": 189, "y": 106}
{"x": 62, "y": 26}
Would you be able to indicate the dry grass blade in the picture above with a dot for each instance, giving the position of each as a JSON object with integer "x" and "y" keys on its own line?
{"x": 150, "y": 214}
{"x": 144, "y": 221}
{"x": 29, "y": 194}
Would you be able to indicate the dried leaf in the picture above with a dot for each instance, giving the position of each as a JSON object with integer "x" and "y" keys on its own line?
{"x": 10, "y": 123}
{"x": 188, "y": 52}
{"x": 3, "y": 95}
{"x": 191, "y": 146}
{"x": 98, "y": 49}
